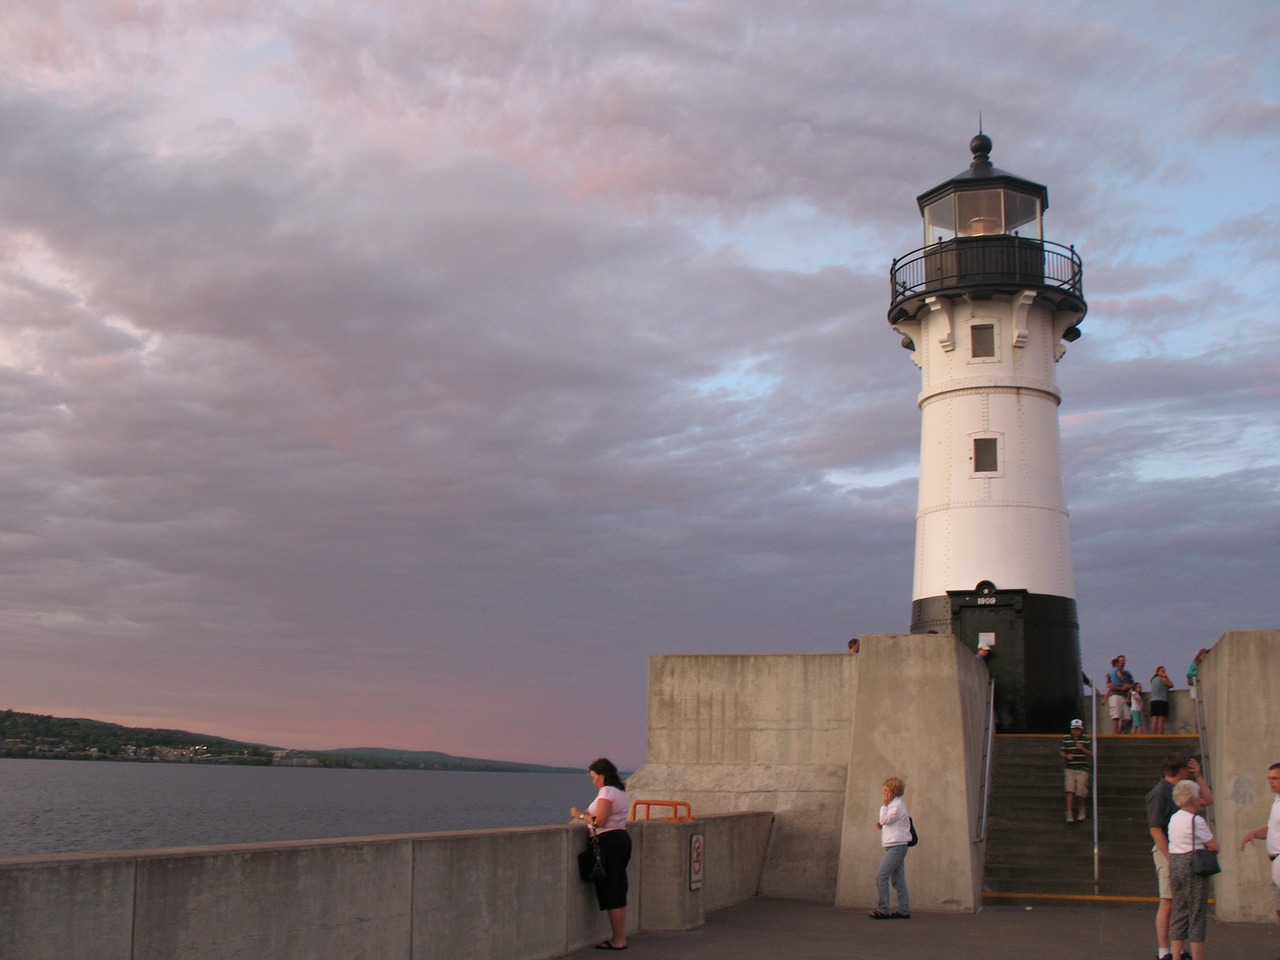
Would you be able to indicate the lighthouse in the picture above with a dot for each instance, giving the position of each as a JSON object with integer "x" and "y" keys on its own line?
{"x": 986, "y": 306}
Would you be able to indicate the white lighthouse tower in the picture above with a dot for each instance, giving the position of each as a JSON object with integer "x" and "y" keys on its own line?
{"x": 985, "y": 307}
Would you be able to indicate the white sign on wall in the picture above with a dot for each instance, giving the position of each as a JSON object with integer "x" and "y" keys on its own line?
{"x": 696, "y": 861}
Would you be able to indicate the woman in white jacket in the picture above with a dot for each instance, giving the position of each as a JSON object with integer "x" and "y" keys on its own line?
{"x": 895, "y": 833}
{"x": 1188, "y": 922}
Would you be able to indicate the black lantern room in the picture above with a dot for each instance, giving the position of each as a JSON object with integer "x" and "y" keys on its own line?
{"x": 983, "y": 235}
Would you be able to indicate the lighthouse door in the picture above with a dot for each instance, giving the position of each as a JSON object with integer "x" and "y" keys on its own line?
{"x": 995, "y": 622}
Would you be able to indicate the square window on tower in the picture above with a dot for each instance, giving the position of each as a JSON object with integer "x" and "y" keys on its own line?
{"x": 982, "y": 340}
{"x": 985, "y": 455}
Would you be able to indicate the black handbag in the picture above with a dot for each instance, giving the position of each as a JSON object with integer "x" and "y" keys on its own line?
{"x": 591, "y": 861}
{"x": 915, "y": 837}
{"x": 1204, "y": 863}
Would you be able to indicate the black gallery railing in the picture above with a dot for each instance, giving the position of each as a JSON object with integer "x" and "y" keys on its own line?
{"x": 1001, "y": 261}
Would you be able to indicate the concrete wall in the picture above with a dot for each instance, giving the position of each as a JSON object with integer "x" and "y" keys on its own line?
{"x": 920, "y": 716}
{"x": 67, "y": 908}
{"x": 736, "y": 845}
{"x": 497, "y": 894}
{"x": 248, "y": 905}
{"x": 501, "y": 893}
{"x": 771, "y": 733}
{"x": 777, "y": 733}
{"x": 1242, "y": 734}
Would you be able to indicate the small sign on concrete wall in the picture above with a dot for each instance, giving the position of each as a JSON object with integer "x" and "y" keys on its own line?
{"x": 696, "y": 861}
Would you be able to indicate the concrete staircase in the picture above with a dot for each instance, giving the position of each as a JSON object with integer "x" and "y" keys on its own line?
{"x": 1033, "y": 853}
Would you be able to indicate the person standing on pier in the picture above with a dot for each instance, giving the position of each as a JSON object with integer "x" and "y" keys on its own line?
{"x": 1160, "y": 687}
{"x": 1193, "y": 681}
{"x": 1271, "y": 834}
{"x": 1188, "y": 831}
{"x": 895, "y": 836}
{"x": 1077, "y": 751}
{"x": 1135, "y": 708}
{"x": 1160, "y": 807}
{"x": 607, "y": 817}
{"x": 1119, "y": 683}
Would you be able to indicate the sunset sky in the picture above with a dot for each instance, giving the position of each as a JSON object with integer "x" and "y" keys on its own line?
{"x": 404, "y": 374}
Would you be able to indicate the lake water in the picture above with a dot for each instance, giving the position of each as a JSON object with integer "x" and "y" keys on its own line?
{"x": 63, "y": 806}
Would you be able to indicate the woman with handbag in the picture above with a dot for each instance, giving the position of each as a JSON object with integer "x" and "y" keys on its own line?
{"x": 895, "y": 829}
{"x": 607, "y": 817}
{"x": 1189, "y": 834}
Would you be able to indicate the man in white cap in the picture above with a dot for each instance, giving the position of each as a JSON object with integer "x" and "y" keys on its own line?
{"x": 1077, "y": 751}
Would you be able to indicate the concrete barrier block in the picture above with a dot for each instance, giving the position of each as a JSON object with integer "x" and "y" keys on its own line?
{"x": 72, "y": 907}
{"x": 936, "y": 751}
{"x": 667, "y": 902}
{"x": 1242, "y": 715}
{"x": 287, "y": 901}
{"x": 496, "y": 893}
{"x": 736, "y": 845}
{"x": 758, "y": 733}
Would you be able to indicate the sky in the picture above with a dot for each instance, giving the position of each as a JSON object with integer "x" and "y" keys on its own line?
{"x": 406, "y": 374}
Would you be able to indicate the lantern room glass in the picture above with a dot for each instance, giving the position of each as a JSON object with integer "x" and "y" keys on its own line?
{"x": 980, "y": 213}
{"x": 1022, "y": 215}
{"x": 940, "y": 220}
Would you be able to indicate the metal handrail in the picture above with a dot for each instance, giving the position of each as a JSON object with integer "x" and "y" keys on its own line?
{"x": 987, "y": 760}
{"x": 924, "y": 270}
{"x": 680, "y": 809}
{"x": 1093, "y": 775}
{"x": 1204, "y": 748}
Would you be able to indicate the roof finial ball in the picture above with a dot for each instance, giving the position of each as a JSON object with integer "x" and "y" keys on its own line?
{"x": 980, "y": 147}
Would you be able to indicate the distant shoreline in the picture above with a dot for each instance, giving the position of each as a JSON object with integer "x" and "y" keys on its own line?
{"x": 31, "y": 736}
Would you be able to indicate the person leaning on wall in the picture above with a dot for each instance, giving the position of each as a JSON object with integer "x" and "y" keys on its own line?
{"x": 607, "y": 818}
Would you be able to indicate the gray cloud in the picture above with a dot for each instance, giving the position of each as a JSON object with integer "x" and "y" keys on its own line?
{"x": 365, "y": 370}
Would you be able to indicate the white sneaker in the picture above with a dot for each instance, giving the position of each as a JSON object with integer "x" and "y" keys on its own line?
{"x": 1069, "y": 820}
{"x": 1080, "y": 814}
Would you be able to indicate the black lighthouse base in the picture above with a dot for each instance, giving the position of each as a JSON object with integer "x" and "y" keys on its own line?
{"x": 1033, "y": 650}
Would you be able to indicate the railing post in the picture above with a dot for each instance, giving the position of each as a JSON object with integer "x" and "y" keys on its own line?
{"x": 1093, "y": 710}
{"x": 1204, "y": 752}
{"x": 987, "y": 761}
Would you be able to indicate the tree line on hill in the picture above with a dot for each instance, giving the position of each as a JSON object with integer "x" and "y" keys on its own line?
{"x": 31, "y": 735}
{"x": 36, "y": 735}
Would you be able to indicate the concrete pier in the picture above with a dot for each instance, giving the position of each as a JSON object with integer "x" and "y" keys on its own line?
{"x": 770, "y": 929}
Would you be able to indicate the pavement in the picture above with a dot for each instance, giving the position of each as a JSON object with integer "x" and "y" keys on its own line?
{"x": 796, "y": 930}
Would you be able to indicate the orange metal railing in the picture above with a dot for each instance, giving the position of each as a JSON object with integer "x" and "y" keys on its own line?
{"x": 680, "y": 809}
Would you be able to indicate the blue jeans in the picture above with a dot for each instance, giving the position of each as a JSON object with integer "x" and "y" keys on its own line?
{"x": 893, "y": 868}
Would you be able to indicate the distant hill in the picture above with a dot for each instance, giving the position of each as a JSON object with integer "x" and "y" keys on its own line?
{"x": 63, "y": 738}
{"x": 430, "y": 760}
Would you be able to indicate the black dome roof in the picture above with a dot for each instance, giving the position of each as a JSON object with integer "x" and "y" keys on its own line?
{"x": 981, "y": 175}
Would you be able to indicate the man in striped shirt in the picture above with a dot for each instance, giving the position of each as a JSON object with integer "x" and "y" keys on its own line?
{"x": 1076, "y": 754}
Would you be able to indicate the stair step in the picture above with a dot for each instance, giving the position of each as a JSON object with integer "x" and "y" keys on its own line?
{"x": 1031, "y": 852}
